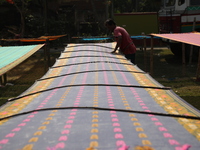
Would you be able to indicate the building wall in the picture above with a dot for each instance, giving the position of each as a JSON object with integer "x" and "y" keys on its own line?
{"x": 138, "y": 23}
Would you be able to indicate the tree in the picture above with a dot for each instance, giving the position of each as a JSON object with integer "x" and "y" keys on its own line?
{"x": 149, "y": 5}
{"x": 122, "y": 6}
{"x": 21, "y": 6}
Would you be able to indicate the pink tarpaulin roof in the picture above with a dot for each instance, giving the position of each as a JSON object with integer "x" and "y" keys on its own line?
{"x": 188, "y": 38}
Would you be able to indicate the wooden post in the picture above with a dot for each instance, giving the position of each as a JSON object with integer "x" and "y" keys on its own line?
{"x": 145, "y": 55}
{"x": 151, "y": 57}
{"x": 45, "y": 57}
{"x": 183, "y": 58}
{"x": 191, "y": 47}
{"x": 1, "y": 81}
{"x": 48, "y": 53}
{"x": 5, "y": 79}
{"x": 194, "y": 24}
{"x": 198, "y": 68}
{"x": 191, "y": 53}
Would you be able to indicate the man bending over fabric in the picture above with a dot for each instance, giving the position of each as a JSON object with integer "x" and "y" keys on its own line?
{"x": 124, "y": 42}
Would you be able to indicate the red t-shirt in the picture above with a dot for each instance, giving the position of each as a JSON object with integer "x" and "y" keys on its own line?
{"x": 127, "y": 46}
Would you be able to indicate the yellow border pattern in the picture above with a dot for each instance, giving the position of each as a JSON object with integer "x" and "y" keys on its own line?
{"x": 168, "y": 101}
{"x": 15, "y": 107}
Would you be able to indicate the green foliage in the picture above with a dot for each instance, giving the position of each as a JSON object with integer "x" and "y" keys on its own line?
{"x": 149, "y": 5}
{"x": 33, "y": 19}
{"x": 22, "y": 7}
{"x": 17, "y": 2}
{"x": 123, "y": 6}
{"x": 34, "y": 26}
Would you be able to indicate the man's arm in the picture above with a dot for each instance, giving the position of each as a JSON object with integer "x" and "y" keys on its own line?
{"x": 119, "y": 41}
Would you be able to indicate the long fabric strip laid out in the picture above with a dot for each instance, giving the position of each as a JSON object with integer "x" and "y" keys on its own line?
{"x": 107, "y": 105}
{"x": 39, "y": 39}
{"x": 11, "y": 56}
{"x": 188, "y": 38}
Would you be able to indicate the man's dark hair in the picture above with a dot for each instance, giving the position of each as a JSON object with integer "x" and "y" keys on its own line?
{"x": 110, "y": 22}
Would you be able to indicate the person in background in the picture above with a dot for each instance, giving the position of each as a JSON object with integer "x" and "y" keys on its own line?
{"x": 123, "y": 39}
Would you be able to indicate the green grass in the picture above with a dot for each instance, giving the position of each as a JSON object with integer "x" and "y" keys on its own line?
{"x": 167, "y": 71}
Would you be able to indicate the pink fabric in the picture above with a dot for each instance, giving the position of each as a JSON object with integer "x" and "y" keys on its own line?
{"x": 189, "y": 38}
{"x": 126, "y": 46}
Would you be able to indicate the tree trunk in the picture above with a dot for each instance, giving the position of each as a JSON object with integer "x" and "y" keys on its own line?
{"x": 45, "y": 18}
{"x": 22, "y": 26}
{"x": 94, "y": 9}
